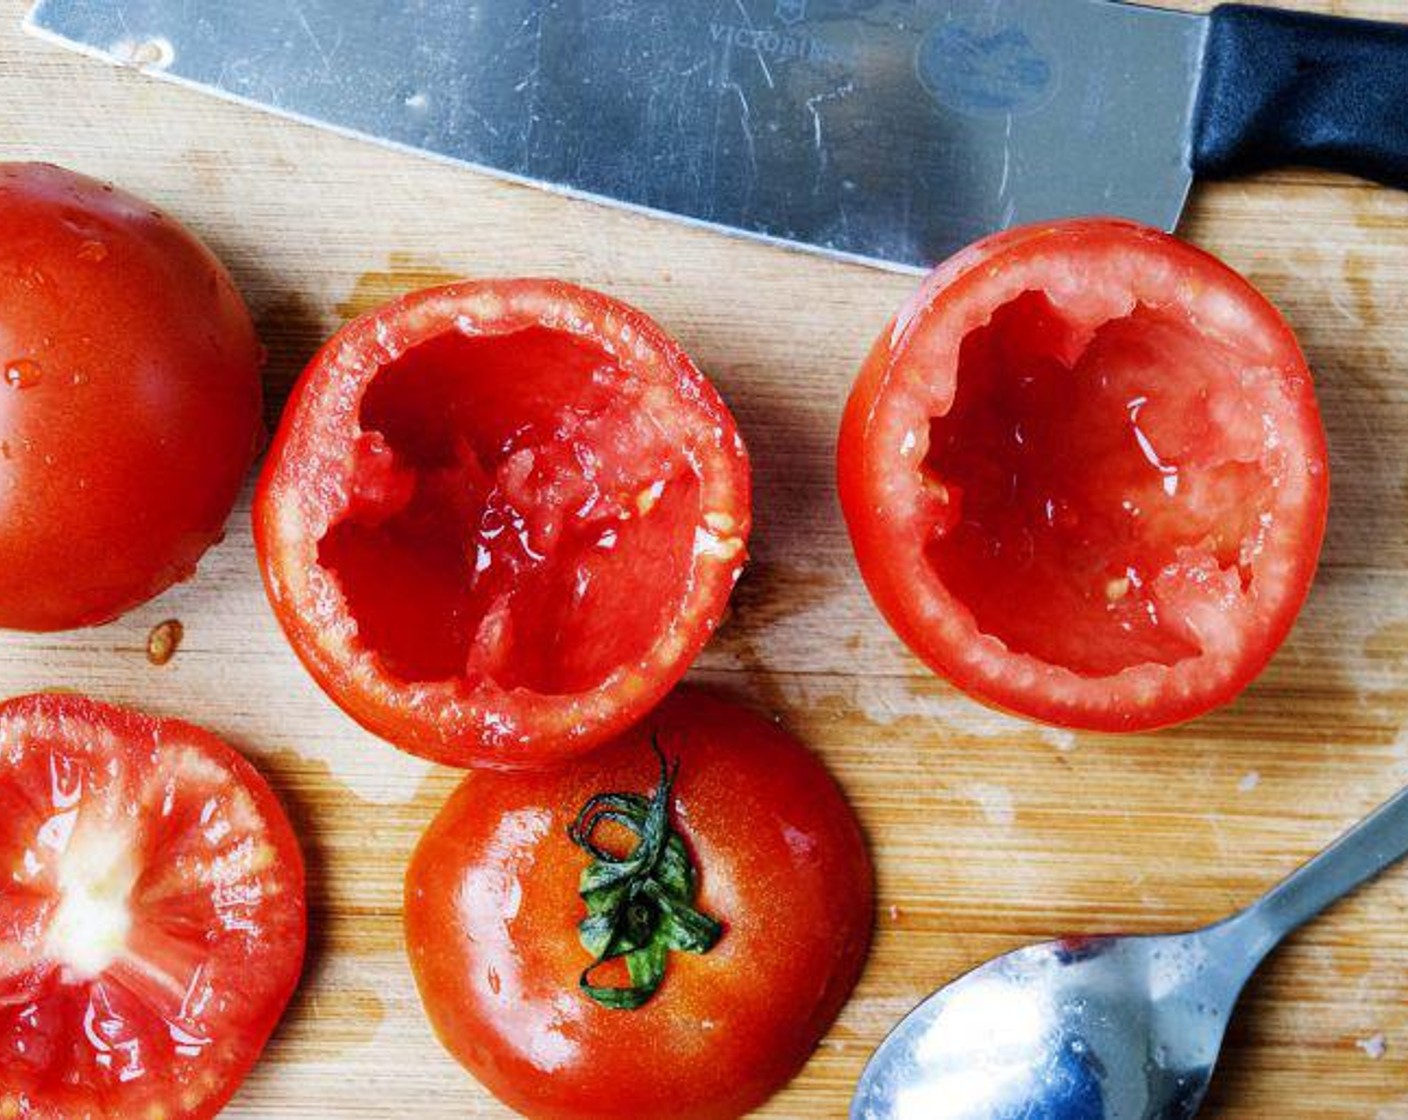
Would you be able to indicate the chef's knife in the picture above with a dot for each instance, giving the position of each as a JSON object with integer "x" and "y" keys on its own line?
{"x": 892, "y": 131}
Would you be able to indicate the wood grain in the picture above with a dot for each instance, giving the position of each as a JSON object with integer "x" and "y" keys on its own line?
{"x": 988, "y": 832}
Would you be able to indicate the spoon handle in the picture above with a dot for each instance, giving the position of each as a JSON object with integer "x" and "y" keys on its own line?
{"x": 1360, "y": 855}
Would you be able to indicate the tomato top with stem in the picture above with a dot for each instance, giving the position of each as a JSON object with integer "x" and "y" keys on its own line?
{"x": 753, "y": 927}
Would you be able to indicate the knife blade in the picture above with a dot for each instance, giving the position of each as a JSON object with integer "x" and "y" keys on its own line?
{"x": 887, "y": 131}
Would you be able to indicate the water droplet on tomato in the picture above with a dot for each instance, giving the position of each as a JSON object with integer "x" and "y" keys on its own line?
{"x": 95, "y": 252}
{"x": 22, "y": 373}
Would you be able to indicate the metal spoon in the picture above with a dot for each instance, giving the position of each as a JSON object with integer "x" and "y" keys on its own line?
{"x": 1104, "y": 1028}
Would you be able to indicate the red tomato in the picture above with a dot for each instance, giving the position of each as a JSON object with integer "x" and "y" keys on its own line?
{"x": 131, "y": 403}
{"x": 152, "y": 914}
{"x": 1085, "y": 476}
{"x": 500, "y": 519}
{"x": 777, "y": 912}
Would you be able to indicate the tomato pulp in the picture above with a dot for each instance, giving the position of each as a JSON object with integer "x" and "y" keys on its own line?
{"x": 130, "y": 406}
{"x": 783, "y": 881}
{"x": 500, "y": 519}
{"x": 1085, "y": 475}
{"x": 152, "y": 914}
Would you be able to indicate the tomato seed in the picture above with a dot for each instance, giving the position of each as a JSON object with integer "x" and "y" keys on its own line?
{"x": 164, "y": 641}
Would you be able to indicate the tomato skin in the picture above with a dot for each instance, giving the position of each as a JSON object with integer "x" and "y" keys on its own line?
{"x": 492, "y": 907}
{"x": 910, "y": 379}
{"x": 170, "y": 1022}
{"x": 131, "y": 407}
{"x": 328, "y": 466}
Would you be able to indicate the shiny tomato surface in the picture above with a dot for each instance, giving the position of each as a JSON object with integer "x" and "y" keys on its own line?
{"x": 492, "y": 913}
{"x": 152, "y": 914}
{"x": 1085, "y": 475}
{"x": 130, "y": 406}
{"x": 500, "y": 519}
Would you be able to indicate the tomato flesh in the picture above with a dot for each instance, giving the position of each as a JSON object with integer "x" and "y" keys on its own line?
{"x": 501, "y": 518}
{"x": 153, "y": 914}
{"x": 519, "y": 517}
{"x": 1085, "y": 475}
{"x": 1081, "y": 489}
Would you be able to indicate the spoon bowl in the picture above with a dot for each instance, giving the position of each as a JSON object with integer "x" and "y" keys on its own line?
{"x": 1104, "y": 1028}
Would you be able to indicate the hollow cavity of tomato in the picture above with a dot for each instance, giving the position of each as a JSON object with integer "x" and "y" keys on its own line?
{"x": 500, "y": 519}
{"x": 1085, "y": 475}
{"x": 130, "y": 407}
{"x": 715, "y": 961}
{"x": 152, "y": 914}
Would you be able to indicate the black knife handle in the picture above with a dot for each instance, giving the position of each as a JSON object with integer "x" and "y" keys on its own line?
{"x": 1292, "y": 88}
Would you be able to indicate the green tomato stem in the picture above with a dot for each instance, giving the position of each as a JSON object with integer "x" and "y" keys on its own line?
{"x": 640, "y": 906}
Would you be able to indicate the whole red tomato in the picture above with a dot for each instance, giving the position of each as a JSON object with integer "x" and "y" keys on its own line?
{"x": 152, "y": 918}
{"x": 682, "y": 964}
{"x": 1085, "y": 475}
{"x": 501, "y": 518}
{"x": 130, "y": 406}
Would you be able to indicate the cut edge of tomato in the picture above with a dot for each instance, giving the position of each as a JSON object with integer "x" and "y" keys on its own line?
{"x": 885, "y": 411}
{"x": 305, "y": 491}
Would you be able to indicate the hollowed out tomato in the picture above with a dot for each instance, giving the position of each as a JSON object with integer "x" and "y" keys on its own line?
{"x": 1085, "y": 476}
{"x": 500, "y": 519}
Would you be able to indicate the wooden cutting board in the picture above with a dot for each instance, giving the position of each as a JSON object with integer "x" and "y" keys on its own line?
{"x": 988, "y": 832}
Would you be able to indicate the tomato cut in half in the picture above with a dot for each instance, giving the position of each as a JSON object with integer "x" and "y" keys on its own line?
{"x": 643, "y": 935}
{"x": 500, "y": 519}
{"x": 1085, "y": 476}
{"x": 151, "y": 914}
{"x": 130, "y": 399}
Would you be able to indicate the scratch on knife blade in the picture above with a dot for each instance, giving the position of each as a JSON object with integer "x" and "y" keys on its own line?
{"x": 313, "y": 38}
{"x": 814, "y": 105}
{"x": 1006, "y": 159}
{"x": 757, "y": 45}
{"x": 746, "y": 120}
